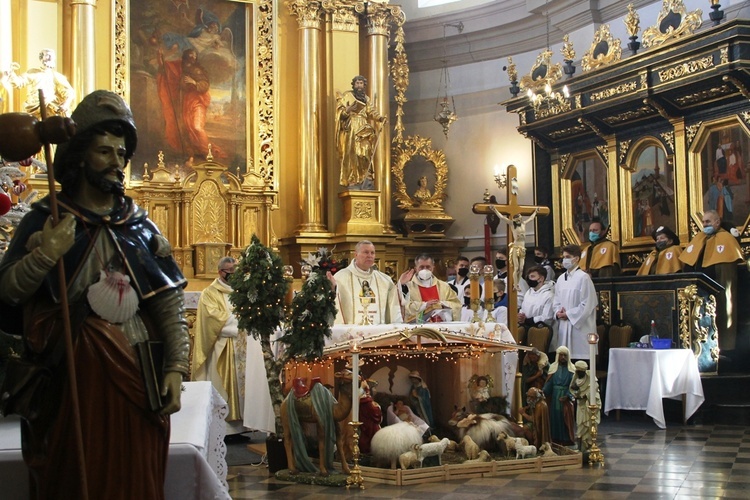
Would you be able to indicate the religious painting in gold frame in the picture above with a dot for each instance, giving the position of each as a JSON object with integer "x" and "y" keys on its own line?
{"x": 585, "y": 194}
{"x": 648, "y": 201}
{"x": 720, "y": 161}
{"x": 189, "y": 78}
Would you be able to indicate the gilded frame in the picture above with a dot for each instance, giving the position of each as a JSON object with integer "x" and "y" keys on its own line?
{"x": 585, "y": 189}
{"x": 604, "y": 50}
{"x": 258, "y": 78}
{"x": 649, "y": 187}
{"x": 726, "y": 133}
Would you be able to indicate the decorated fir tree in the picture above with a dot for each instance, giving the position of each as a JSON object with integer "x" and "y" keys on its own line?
{"x": 258, "y": 294}
{"x": 313, "y": 309}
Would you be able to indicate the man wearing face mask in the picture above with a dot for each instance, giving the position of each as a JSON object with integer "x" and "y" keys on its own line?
{"x": 716, "y": 252}
{"x": 574, "y": 305}
{"x": 427, "y": 296}
{"x": 541, "y": 257}
{"x": 600, "y": 257}
{"x": 538, "y": 299}
{"x": 665, "y": 259}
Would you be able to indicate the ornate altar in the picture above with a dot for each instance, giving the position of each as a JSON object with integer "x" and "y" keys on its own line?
{"x": 652, "y": 138}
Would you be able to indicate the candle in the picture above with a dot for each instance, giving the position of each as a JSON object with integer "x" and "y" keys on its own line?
{"x": 592, "y": 374}
{"x": 474, "y": 290}
{"x": 355, "y": 386}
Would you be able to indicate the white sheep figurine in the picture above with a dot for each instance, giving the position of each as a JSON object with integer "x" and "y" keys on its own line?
{"x": 431, "y": 450}
{"x": 391, "y": 441}
{"x": 525, "y": 451}
{"x": 546, "y": 450}
{"x": 484, "y": 456}
{"x": 452, "y": 445}
{"x": 471, "y": 449}
{"x": 507, "y": 443}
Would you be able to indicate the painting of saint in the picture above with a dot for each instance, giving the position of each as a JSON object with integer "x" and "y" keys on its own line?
{"x": 188, "y": 82}
{"x": 652, "y": 187}
{"x": 725, "y": 169}
{"x": 588, "y": 184}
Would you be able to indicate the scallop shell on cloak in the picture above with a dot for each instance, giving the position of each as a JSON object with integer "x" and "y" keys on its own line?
{"x": 112, "y": 297}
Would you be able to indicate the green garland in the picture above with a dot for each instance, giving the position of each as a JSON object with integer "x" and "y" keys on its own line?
{"x": 259, "y": 289}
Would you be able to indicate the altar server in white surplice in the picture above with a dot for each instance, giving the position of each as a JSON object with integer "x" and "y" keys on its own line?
{"x": 360, "y": 279}
{"x": 574, "y": 305}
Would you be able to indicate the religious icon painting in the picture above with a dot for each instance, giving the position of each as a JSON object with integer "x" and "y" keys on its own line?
{"x": 724, "y": 168}
{"x": 189, "y": 82}
{"x": 587, "y": 195}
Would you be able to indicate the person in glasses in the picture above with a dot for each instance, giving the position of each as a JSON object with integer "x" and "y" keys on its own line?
{"x": 219, "y": 349}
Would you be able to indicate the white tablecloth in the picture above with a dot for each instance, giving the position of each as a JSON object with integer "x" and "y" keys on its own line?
{"x": 196, "y": 467}
{"x": 638, "y": 379}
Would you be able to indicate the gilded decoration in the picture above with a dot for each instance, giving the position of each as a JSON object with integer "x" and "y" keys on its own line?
{"x": 624, "y": 146}
{"x": 635, "y": 259}
{"x": 577, "y": 99}
{"x": 379, "y": 19}
{"x": 604, "y": 153}
{"x": 576, "y": 129}
{"x": 704, "y": 95}
{"x": 209, "y": 223}
{"x": 265, "y": 114}
{"x": 564, "y": 160}
{"x": 593, "y": 127}
{"x": 739, "y": 84}
{"x": 605, "y": 306}
{"x": 672, "y": 22}
{"x": 121, "y": 49}
{"x": 691, "y": 131}
{"x": 363, "y": 210}
{"x": 724, "y": 55}
{"x": 629, "y": 115}
{"x": 567, "y": 49}
{"x": 746, "y": 117}
{"x": 604, "y": 50}
{"x": 343, "y": 15}
{"x": 644, "y": 81}
{"x": 404, "y": 152}
{"x": 632, "y": 21}
{"x": 400, "y": 77}
{"x": 308, "y": 13}
{"x": 545, "y": 112}
{"x": 686, "y": 68}
{"x": 543, "y": 73}
{"x": 668, "y": 138}
{"x": 623, "y": 88}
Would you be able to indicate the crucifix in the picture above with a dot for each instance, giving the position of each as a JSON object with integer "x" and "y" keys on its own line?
{"x": 512, "y": 213}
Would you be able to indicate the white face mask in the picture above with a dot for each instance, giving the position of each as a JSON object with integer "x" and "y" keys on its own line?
{"x": 424, "y": 274}
{"x": 567, "y": 263}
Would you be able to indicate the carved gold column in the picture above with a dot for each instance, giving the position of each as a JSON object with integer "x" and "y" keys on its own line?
{"x": 82, "y": 43}
{"x": 309, "y": 19}
{"x": 379, "y": 17}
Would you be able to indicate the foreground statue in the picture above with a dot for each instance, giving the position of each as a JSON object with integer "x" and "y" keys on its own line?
{"x": 358, "y": 127}
{"x": 124, "y": 288}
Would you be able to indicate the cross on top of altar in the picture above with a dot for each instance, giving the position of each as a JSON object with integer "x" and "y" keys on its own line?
{"x": 513, "y": 212}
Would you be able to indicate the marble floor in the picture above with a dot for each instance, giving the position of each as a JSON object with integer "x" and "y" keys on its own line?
{"x": 642, "y": 461}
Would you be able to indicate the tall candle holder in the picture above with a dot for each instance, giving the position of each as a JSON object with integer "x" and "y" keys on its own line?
{"x": 595, "y": 454}
{"x": 474, "y": 301}
{"x": 489, "y": 274}
{"x": 355, "y": 474}
{"x": 289, "y": 278}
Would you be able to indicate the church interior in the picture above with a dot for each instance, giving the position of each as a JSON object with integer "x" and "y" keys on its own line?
{"x": 633, "y": 114}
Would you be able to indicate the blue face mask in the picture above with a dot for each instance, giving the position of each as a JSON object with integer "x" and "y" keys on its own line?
{"x": 593, "y": 236}
{"x": 709, "y": 230}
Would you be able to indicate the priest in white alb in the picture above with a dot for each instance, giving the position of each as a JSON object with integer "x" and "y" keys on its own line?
{"x": 574, "y": 305}
{"x": 361, "y": 279}
{"x": 426, "y": 297}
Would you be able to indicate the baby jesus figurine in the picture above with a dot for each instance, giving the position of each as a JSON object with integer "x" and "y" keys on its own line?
{"x": 479, "y": 388}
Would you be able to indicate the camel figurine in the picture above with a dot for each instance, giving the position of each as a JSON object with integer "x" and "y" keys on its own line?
{"x": 316, "y": 405}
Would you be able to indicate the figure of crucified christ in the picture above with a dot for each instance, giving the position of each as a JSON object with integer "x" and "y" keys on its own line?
{"x": 517, "y": 247}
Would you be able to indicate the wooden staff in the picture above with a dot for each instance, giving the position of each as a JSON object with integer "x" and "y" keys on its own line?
{"x": 63, "y": 292}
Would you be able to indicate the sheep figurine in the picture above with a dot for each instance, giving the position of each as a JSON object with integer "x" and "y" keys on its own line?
{"x": 507, "y": 444}
{"x": 546, "y": 450}
{"x": 484, "y": 456}
{"x": 452, "y": 445}
{"x": 408, "y": 459}
{"x": 525, "y": 451}
{"x": 471, "y": 449}
{"x": 391, "y": 441}
{"x": 432, "y": 450}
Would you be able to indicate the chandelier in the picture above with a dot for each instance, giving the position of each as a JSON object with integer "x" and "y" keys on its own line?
{"x": 446, "y": 115}
{"x": 549, "y": 99}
